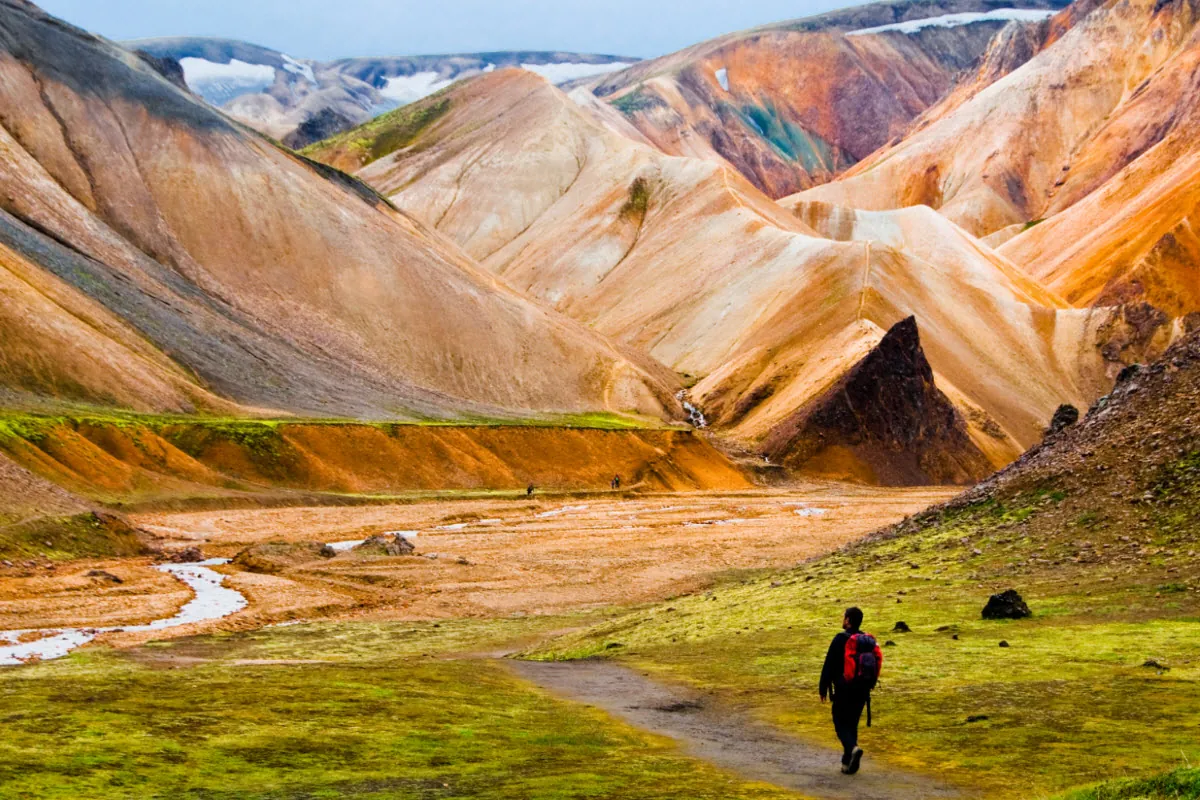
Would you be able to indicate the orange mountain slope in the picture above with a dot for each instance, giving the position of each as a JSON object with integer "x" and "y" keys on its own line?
{"x": 686, "y": 260}
{"x": 793, "y": 104}
{"x": 1123, "y": 226}
{"x": 164, "y": 258}
{"x": 1105, "y": 94}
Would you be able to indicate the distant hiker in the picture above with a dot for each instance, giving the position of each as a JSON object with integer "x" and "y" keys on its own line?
{"x": 615, "y": 483}
{"x": 529, "y": 490}
{"x": 851, "y": 671}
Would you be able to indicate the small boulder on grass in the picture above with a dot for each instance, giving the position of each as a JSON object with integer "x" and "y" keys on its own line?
{"x": 1006, "y": 605}
{"x": 901, "y": 627}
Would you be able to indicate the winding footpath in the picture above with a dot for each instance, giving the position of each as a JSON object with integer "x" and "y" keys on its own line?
{"x": 730, "y": 739}
{"x": 212, "y": 600}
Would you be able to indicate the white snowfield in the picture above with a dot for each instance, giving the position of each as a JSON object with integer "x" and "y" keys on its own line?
{"x": 211, "y": 601}
{"x": 406, "y": 89}
{"x": 722, "y": 76}
{"x": 561, "y": 73}
{"x": 965, "y": 18}
{"x": 220, "y": 83}
{"x": 296, "y": 68}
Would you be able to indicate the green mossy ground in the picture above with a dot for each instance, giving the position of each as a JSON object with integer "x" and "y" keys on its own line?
{"x": 639, "y": 200}
{"x": 377, "y": 711}
{"x": 35, "y": 427}
{"x": 1068, "y": 703}
{"x": 386, "y": 133}
{"x": 1183, "y": 784}
{"x": 65, "y": 538}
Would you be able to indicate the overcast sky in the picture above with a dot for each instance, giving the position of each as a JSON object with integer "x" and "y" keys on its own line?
{"x": 326, "y": 29}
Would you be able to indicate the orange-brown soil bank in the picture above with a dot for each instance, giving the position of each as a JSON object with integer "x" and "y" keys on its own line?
{"x": 145, "y": 462}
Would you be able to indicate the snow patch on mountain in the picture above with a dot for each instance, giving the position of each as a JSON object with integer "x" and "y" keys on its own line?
{"x": 411, "y": 88}
{"x": 407, "y": 89}
{"x": 723, "y": 78}
{"x": 954, "y": 20}
{"x": 561, "y": 73}
{"x": 296, "y": 68}
{"x": 220, "y": 83}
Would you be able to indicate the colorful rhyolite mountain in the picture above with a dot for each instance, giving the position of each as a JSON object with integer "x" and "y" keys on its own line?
{"x": 794, "y": 104}
{"x": 300, "y": 101}
{"x": 163, "y": 257}
{"x": 766, "y": 310}
{"x": 1081, "y": 164}
{"x": 156, "y": 256}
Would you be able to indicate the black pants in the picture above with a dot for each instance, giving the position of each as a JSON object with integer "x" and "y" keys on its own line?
{"x": 847, "y": 711}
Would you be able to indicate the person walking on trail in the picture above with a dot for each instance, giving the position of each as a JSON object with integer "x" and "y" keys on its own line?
{"x": 851, "y": 671}
{"x": 615, "y": 483}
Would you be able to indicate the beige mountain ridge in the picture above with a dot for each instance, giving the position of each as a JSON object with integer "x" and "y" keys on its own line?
{"x": 163, "y": 258}
{"x": 685, "y": 259}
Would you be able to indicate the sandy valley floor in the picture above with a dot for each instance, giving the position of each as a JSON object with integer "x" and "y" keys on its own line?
{"x": 474, "y": 558}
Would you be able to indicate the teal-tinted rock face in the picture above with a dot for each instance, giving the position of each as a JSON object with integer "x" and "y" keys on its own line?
{"x": 791, "y": 141}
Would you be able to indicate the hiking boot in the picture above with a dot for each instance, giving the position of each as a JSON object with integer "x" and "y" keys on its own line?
{"x": 855, "y": 761}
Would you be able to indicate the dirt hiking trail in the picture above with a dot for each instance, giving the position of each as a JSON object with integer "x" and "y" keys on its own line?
{"x": 724, "y": 737}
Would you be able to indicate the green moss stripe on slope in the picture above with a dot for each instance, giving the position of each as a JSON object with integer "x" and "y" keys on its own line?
{"x": 397, "y": 725}
{"x": 28, "y": 424}
{"x": 142, "y": 462}
{"x": 383, "y": 135}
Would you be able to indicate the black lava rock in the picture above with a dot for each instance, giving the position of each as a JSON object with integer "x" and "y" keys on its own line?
{"x": 1064, "y": 417}
{"x": 1006, "y": 605}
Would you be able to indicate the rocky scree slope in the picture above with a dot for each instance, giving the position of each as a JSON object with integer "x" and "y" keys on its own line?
{"x": 1120, "y": 488}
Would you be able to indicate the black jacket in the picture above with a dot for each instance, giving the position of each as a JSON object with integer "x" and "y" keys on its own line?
{"x": 832, "y": 680}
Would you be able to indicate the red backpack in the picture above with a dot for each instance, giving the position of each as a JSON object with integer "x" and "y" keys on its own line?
{"x": 864, "y": 661}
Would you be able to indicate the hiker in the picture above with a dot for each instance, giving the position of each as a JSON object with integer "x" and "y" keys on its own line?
{"x": 851, "y": 670}
{"x": 615, "y": 483}
{"x": 529, "y": 490}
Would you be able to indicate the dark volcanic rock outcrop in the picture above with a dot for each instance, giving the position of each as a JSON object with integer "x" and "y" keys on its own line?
{"x": 1064, "y": 417}
{"x": 322, "y": 125}
{"x": 884, "y": 420}
{"x": 168, "y": 67}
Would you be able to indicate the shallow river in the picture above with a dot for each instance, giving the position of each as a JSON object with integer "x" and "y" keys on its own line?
{"x": 213, "y": 600}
